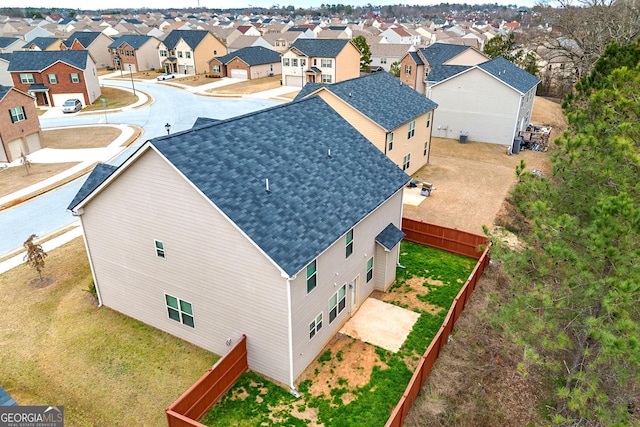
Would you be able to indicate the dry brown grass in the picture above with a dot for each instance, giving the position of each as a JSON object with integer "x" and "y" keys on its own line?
{"x": 290, "y": 95}
{"x": 86, "y": 137}
{"x": 248, "y": 86}
{"x": 57, "y": 347}
{"x": 16, "y": 178}
{"x": 116, "y": 98}
{"x": 193, "y": 81}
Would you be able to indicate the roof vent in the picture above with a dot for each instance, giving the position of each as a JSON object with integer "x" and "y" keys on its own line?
{"x": 329, "y": 152}
{"x": 349, "y": 94}
{"x": 266, "y": 183}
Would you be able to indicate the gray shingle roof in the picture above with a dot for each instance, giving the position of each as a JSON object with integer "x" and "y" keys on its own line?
{"x": 320, "y": 48}
{"x": 201, "y": 121}
{"x": 442, "y": 72}
{"x": 8, "y": 41}
{"x": 390, "y": 236}
{"x": 4, "y": 90}
{"x": 253, "y": 55}
{"x": 38, "y": 61}
{"x": 314, "y": 198}
{"x": 101, "y": 172}
{"x": 439, "y": 53}
{"x": 133, "y": 41}
{"x": 43, "y": 42}
{"x": 510, "y": 73}
{"x": 382, "y": 98}
{"x": 5, "y": 399}
{"x": 416, "y": 58}
{"x": 307, "y": 89}
{"x": 191, "y": 37}
{"x": 84, "y": 37}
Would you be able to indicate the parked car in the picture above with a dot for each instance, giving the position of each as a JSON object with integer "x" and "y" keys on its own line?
{"x": 166, "y": 76}
{"x": 71, "y": 106}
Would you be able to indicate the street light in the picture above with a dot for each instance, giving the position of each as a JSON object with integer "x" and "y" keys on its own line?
{"x": 132, "y": 85}
{"x": 168, "y": 128}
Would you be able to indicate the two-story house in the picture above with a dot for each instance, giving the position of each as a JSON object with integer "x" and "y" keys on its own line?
{"x": 95, "y": 42}
{"x": 394, "y": 117}
{"x": 320, "y": 61}
{"x": 188, "y": 51}
{"x": 20, "y": 131}
{"x": 135, "y": 53}
{"x": 52, "y": 77}
{"x": 285, "y": 254}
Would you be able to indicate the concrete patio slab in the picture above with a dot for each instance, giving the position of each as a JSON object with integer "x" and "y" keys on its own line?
{"x": 381, "y": 324}
{"x": 412, "y": 196}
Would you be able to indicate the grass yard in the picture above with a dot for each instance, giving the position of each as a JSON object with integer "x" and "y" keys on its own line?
{"x": 58, "y": 348}
{"x": 16, "y": 178}
{"x": 116, "y": 98}
{"x": 248, "y": 86}
{"x": 193, "y": 81}
{"x": 429, "y": 283}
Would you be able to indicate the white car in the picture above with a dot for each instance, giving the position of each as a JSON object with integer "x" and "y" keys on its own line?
{"x": 166, "y": 76}
{"x": 71, "y": 106}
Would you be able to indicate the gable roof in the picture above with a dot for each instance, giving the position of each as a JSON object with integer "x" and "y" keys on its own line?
{"x": 390, "y": 236}
{"x": 383, "y": 98}
{"x": 85, "y": 38}
{"x": 132, "y": 40}
{"x": 439, "y": 53}
{"x": 416, "y": 58}
{"x": 510, "y": 73}
{"x": 191, "y": 37}
{"x": 443, "y": 72}
{"x": 40, "y": 60}
{"x": 311, "y": 202}
{"x": 201, "y": 121}
{"x": 101, "y": 172}
{"x": 43, "y": 42}
{"x": 252, "y": 55}
{"x": 322, "y": 48}
{"x": 4, "y": 90}
{"x": 8, "y": 41}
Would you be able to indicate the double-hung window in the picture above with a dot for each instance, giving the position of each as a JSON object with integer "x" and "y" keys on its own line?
{"x": 412, "y": 130}
{"x": 187, "y": 55}
{"x": 315, "y": 326}
{"x": 179, "y": 310}
{"x": 349, "y": 244}
{"x": 391, "y": 141}
{"x": 369, "y": 269}
{"x": 294, "y": 62}
{"x": 285, "y": 62}
{"x": 428, "y": 118}
{"x": 406, "y": 160}
{"x": 326, "y": 78}
{"x": 407, "y": 69}
{"x": 337, "y": 303}
{"x": 326, "y": 63}
{"x": 75, "y": 78}
{"x": 53, "y": 79}
{"x": 27, "y": 78}
{"x": 179, "y": 54}
{"x": 160, "y": 253}
{"x": 312, "y": 276}
{"x": 17, "y": 114}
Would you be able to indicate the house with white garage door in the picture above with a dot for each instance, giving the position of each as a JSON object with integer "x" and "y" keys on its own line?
{"x": 52, "y": 77}
{"x": 20, "y": 131}
{"x": 247, "y": 63}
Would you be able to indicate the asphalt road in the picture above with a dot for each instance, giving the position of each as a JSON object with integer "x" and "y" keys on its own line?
{"x": 47, "y": 213}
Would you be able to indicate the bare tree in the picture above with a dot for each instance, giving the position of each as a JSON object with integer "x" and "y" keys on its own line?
{"x": 35, "y": 254}
{"x": 24, "y": 161}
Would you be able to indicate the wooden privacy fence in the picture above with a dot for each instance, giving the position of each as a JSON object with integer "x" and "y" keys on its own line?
{"x": 447, "y": 238}
{"x": 204, "y": 393}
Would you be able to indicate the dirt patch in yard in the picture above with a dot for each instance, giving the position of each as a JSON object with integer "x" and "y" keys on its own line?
{"x": 407, "y": 295}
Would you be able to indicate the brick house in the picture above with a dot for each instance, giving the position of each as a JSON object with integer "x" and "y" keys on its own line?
{"x": 20, "y": 129}
{"x": 95, "y": 42}
{"x": 52, "y": 77}
{"x": 247, "y": 63}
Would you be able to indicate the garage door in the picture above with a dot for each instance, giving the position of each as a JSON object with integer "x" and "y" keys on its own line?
{"x": 59, "y": 98}
{"x": 33, "y": 142}
{"x": 15, "y": 149}
{"x": 293, "y": 81}
{"x": 238, "y": 73}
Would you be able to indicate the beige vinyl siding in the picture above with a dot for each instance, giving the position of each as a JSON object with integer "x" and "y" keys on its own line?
{"x": 264, "y": 70}
{"x": 204, "y": 52}
{"x": 334, "y": 270}
{"x": 347, "y": 63}
{"x": 468, "y": 57}
{"x": 477, "y": 103}
{"x": 232, "y": 287}
{"x": 368, "y": 128}
{"x": 147, "y": 56}
{"x": 90, "y": 75}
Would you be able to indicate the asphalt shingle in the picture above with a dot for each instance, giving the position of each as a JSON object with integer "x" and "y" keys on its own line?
{"x": 320, "y": 48}
{"x": 101, "y": 172}
{"x": 38, "y": 61}
{"x": 191, "y": 37}
{"x": 390, "y": 236}
{"x": 383, "y": 98}
{"x": 85, "y": 38}
{"x": 510, "y": 73}
{"x": 253, "y": 55}
{"x": 439, "y": 53}
{"x": 443, "y": 72}
{"x": 3, "y": 91}
{"x": 8, "y": 41}
{"x": 133, "y": 41}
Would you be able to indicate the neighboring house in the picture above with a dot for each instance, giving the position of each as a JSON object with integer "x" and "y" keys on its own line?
{"x": 247, "y": 63}
{"x": 394, "y": 117}
{"x": 320, "y": 61}
{"x": 385, "y": 54}
{"x": 55, "y": 76}
{"x": 5, "y": 76}
{"x": 43, "y": 43}
{"x": 284, "y": 254}
{"x": 280, "y": 42}
{"x": 490, "y": 102}
{"x": 10, "y": 44}
{"x": 95, "y": 42}
{"x": 20, "y": 131}
{"x": 189, "y": 51}
{"x": 401, "y": 35}
{"x": 135, "y": 53}
{"x": 248, "y": 41}
{"x": 414, "y": 66}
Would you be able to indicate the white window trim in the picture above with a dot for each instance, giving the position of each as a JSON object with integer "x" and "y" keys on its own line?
{"x": 181, "y": 321}
{"x": 156, "y": 249}
{"x": 316, "y": 330}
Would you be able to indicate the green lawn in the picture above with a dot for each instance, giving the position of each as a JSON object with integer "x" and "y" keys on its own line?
{"x": 255, "y": 401}
{"x": 106, "y": 369}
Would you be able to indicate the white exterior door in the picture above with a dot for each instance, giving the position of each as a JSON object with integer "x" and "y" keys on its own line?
{"x": 353, "y": 288}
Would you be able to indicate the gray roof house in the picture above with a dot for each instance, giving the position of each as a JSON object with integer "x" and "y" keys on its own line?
{"x": 394, "y": 117}
{"x": 95, "y": 42}
{"x": 489, "y": 102}
{"x": 247, "y": 63}
{"x": 292, "y": 232}
{"x": 10, "y": 44}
